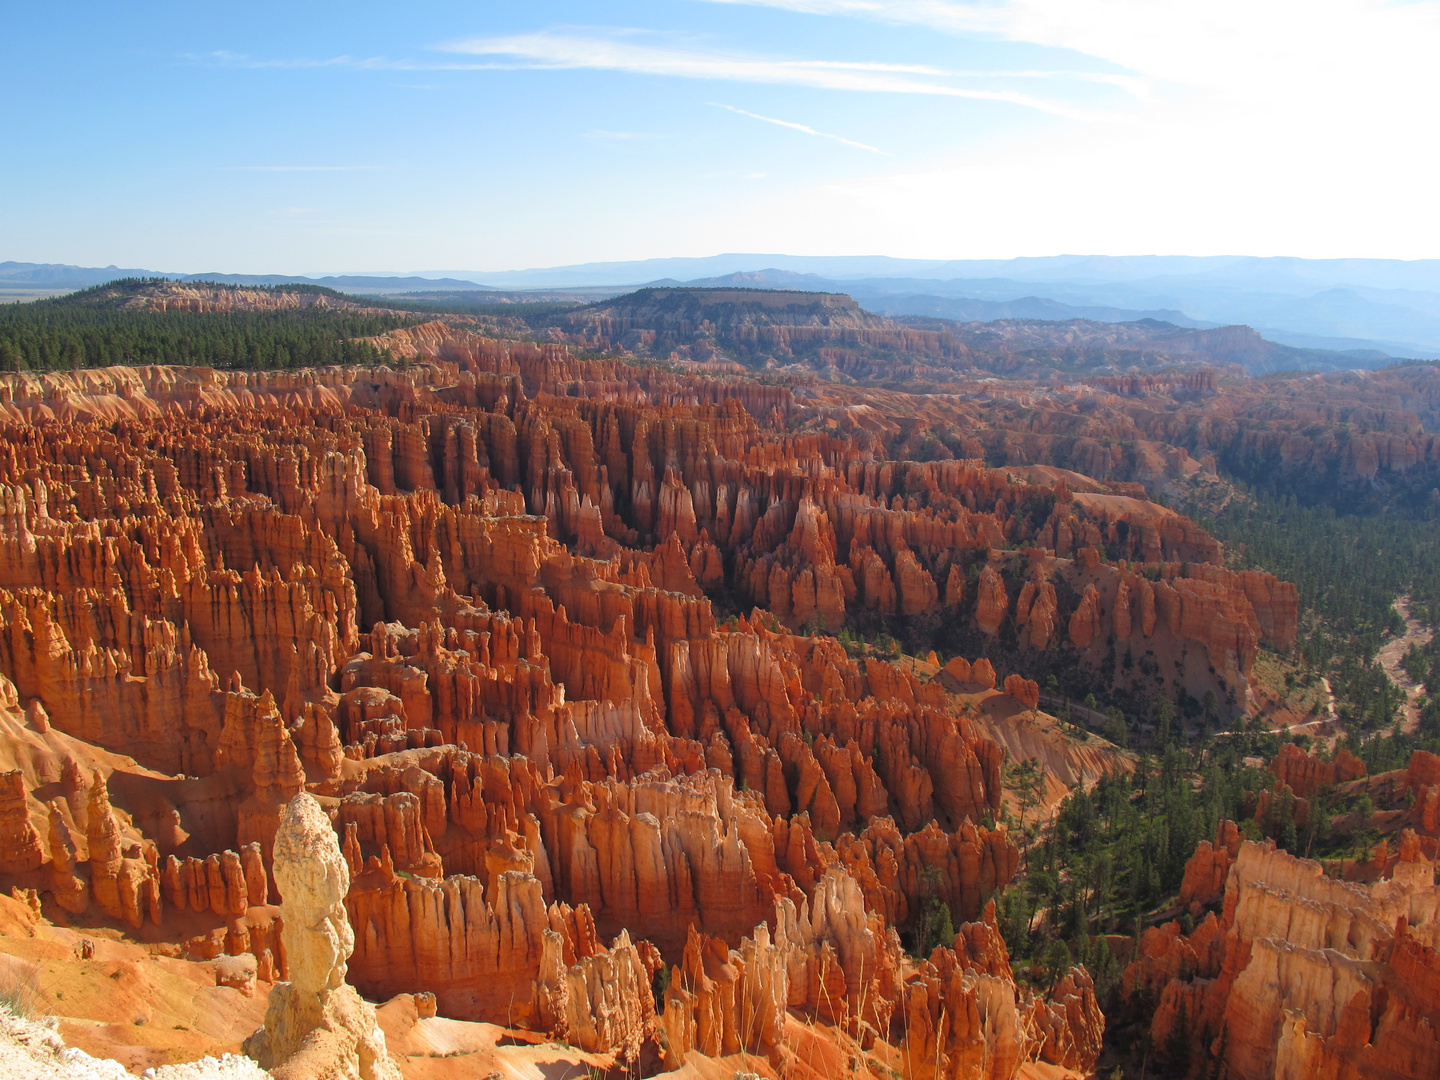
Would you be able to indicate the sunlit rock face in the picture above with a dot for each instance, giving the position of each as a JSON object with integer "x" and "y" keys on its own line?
{"x": 1301, "y": 974}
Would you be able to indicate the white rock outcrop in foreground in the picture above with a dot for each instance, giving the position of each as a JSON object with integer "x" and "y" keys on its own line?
{"x": 317, "y": 1027}
{"x": 33, "y": 1050}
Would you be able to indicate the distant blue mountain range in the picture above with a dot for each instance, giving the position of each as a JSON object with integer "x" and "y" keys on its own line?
{"x": 16, "y": 275}
{"x": 1384, "y": 306}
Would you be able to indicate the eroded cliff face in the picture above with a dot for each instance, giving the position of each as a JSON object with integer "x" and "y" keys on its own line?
{"x": 465, "y": 608}
{"x": 1301, "y": 974}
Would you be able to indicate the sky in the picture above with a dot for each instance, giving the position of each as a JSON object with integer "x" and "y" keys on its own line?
{"x": 312, "y": 137}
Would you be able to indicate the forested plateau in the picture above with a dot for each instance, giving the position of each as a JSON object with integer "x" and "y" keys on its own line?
{"x": 710, "y": 685}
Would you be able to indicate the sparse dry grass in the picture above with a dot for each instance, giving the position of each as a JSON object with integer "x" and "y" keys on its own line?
{"x": 20, "y": 991}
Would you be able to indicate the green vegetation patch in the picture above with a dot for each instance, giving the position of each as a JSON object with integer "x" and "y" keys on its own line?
{"x": 94, "y": 328}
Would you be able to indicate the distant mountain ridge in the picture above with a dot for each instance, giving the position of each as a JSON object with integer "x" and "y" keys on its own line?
{"x": 1382, "y": 305}
{"x": 885, "y": 302}
{"x": 1393, "y": 322}
{"x": 60, "y": 275}
{"x": 1363, "y": 306}
{"x": 831, "y": 332}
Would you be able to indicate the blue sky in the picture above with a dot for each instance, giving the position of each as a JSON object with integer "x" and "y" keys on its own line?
{"x": 306, "y": 137}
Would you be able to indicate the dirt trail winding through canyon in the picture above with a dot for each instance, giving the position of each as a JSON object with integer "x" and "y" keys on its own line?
{"x": 1393, "y": 651}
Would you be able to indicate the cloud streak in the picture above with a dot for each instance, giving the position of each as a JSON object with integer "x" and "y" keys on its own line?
{"x": 627, "y": 52}
{"x": 806, "y": 128}
{"x": 1187, "y": 44}
{"x": 551, "y": 50}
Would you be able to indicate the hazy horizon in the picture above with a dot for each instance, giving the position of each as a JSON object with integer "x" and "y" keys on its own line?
{"x": 745, "y": 260}
{"x": 1387, "y": 306}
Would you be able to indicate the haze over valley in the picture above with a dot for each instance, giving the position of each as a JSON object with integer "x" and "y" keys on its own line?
{"x": 1351, "y": 305}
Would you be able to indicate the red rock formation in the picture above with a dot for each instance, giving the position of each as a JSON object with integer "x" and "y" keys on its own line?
{"x": 1422, "y": 776}
{"x": 70, "y": 892}
{"x": 227, "y": 884}
{"x": 1035, "y": 613}
{"x": 276, "y": 775}
{"x": 469, "y": 607}
{"x": 992, "y": 603}
{"x": 1305, "y": 775}
{"x": 1207, "y": 869}
{"x": 1085, "y": 623}
{"x": 1025, "y": 691}
{"x": 603, "y": 1002}
{"x": 20, "y": 848}
{"x": 954, "y": 587}
{"x": 393, "y": 822}
{"x": 479, "y": 958}
{"x": 973, "y": 863}
{"x": 1069, "y": 1023}
{"x": 1303, "y": 974}
{"x": 124, "y": 887}
{"x": 916, "y": 589}
{"x": 966, "y": 1019}
{"x": 958, "y": 668}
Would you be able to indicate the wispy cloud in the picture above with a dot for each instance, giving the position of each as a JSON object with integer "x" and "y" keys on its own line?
{"x": 629, "y": 51}
{"x": 806, "y": 128}
{"x": 223, "y": 58}
{"x": 1222, "y": 43}
{"x": 557, "y": 50}
{"x": 1036, "y": 21}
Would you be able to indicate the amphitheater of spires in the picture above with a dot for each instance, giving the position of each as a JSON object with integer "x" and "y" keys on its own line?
{"x": 463, "y": 615}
